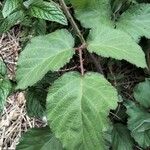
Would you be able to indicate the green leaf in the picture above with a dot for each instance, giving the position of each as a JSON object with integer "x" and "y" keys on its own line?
{"x": 142, "y": 93}
{"x": 11, "y": 20}
{"x": 10, "y": 6}
{"x": 1, "y": 15}
{"x": 91, "y": 13}
{"x": 39, "y": 27}
{"x": 139, "y": 124}
{"x": 108, "y": 137}
{"x": 118, "y": 6}
{"x": 39, "y": 139}
{"x": 5, "y": 85}
{"x": 136, "y": 21}
{"x": 36, "y": 96}
{"x": 48, "y": 11}
{"x": 35, "y": 102}
{"x": 121, "y": 138}
{"x": 108, "y": 42}
{"x": 27, "y": 3}
{"x": 43, "y": 54}
{"x": 77, "y": 110}
{"x": 5, "y": 88}
{"x": 3, "y": 69}
{"x": 47, "y": 80}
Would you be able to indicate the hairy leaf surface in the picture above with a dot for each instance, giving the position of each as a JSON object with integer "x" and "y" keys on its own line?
{"x": 48, "y": 11}
{"x": 121, "y": 139}
{"x": 44, "y": 53}
{"x": 136, "y": 21}
{"x": 92, "y": 13}
{"x": 108, "y": 42}
{"x": 139, "y": 124}
{"x": 39, "y": 139}
{"x": 77, "y": 110}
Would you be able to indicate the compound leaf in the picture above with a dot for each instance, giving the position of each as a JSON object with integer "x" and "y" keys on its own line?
{"x": 91, "y": 13}
{"x": 139, "y": 124}
{"x": 77, "y": 110}
{"x": 43, "y": 54}
{"x": 121, "y": 139}
{"x": 116, "y": 44}
{"x": 10, "y": 6}
{"x": 142, "y": 93}
{"x": 136, "y": 21}
{"x": 39, "y": 139}
{"x": 48, "y": 11}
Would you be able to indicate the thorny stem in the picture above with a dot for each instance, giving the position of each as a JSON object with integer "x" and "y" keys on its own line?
{"x": 69, "y": 69}
{"x": 81, "y": 62}
{"x": 76, "y": 29}
{"x": 71, "y": 20}
{"x": 80, "y": 57}
{"x": 79, "y": 34}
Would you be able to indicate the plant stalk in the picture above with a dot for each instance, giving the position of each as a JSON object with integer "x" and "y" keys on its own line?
{"x": 71, "y": 20}
{"x": 79, "y": 34}
{"x": 76, "y": 29}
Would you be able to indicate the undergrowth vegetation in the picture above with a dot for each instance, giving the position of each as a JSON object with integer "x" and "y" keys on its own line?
{"x": 77, "y": 61}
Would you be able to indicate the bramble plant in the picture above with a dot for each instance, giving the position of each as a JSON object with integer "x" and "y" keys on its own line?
{"x": 75, "y": 104}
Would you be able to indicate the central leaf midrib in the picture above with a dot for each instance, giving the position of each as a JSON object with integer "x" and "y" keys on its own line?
{"x": 80, "y": 96}
{"x": 81, "y": 109}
